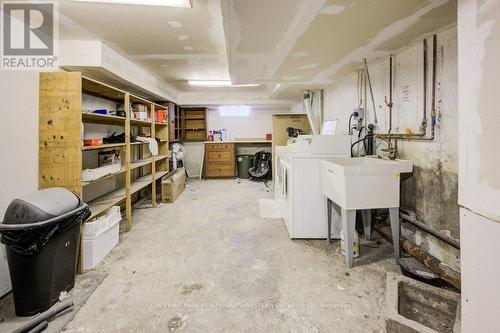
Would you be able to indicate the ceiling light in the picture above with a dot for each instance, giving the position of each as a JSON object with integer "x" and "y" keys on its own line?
{"x": 167, "y": 3}
{"x": 218, "y": 83}
{"x": 210, "y": 83}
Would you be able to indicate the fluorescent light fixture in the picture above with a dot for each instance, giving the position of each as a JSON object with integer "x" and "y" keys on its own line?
{"x": 218, "y": 83}
{"x": 167, "y": 3}
{"x": 210, "y": 83}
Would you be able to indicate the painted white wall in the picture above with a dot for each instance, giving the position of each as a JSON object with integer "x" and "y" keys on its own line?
{"x": 440, "y": 155}
{"x": 297, "y": 108}
{"x": 18, "y": 144}
{"x": 479, "y": 50}
{"x": 256, "y": 125}
{"x": 479, "y": 194}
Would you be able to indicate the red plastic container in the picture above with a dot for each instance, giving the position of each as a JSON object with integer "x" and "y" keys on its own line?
{"x": 161, "y": 116}
{"x": 92, "y": 142}
{"x": 269, "y": 137}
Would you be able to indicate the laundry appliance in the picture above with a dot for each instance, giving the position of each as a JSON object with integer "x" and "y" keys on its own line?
{"x": 298, "y": 184}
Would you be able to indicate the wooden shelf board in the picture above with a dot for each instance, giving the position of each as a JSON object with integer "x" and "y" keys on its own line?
{"x": 141, "y": 123}
{"x": 139, "y": 143}
{"x": 194, "y": 118}
{"x": 140, "y": 163}
{"x": 160, "y": 174}
{"x": 96, "y": 118}
{"x": 141, "y": 183}
{"x": 138, "y": 99}
{"x": 104, "y": 178}
{"x": 104, "y": 146}
{"x": 160, "y": 157}
{"x": 102, "y": 90}
{"x": 101, "y": 204}
{"x": 161, "y": 124}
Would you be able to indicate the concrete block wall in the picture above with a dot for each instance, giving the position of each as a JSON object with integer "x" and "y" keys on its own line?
{"x": 432, "y": 190}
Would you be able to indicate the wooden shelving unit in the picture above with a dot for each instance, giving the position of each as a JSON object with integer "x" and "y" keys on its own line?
{"x": 175, "y": 123}
{"x": 195, "y": 124}
{"x": 61, "y": 153}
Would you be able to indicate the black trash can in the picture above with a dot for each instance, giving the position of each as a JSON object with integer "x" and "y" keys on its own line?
{"x": 41, "y": 232}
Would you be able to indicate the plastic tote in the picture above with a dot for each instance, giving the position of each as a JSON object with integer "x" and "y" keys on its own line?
{"x": 41, "y": 232}
{"x": 100, "y": 237}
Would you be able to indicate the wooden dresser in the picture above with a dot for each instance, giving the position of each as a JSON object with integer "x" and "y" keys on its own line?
{"x": 220, "y": 160}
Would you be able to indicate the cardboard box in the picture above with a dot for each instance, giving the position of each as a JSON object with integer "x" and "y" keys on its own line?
{"x": 109, "y": 157}
{"x": 138, "y": 107}
{"x": 173, "y": 185}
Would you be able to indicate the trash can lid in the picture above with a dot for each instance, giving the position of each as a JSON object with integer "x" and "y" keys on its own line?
{"x": 41, "y": 205}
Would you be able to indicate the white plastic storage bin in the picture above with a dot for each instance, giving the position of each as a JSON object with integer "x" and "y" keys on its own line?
{"x": 100, "y": 237}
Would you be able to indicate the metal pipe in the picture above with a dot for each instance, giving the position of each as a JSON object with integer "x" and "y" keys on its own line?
{"x": 371, "y": 91}
{"x": 423, "y": 130}
{"x": 423, "y": 127}
{"x": 46, "y": 316}
{"x": 308, "y": 102}
{"x": 390, "y": 95}
{"x": 410, "y": 217}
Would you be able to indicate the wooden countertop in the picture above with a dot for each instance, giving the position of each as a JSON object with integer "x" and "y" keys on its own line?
{"x": 242, "y": 141}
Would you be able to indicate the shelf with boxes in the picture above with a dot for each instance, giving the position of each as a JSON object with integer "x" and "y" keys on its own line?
{"x": 127, "y": 141}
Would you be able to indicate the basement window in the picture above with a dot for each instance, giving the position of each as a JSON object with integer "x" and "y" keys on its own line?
{"x": 235, "y": 111}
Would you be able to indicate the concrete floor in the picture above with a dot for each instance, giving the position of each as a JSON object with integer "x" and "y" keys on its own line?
{"x": 209, "y": 262}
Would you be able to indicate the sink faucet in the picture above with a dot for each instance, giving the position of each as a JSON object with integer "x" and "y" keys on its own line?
{"x": 391, "y": 150}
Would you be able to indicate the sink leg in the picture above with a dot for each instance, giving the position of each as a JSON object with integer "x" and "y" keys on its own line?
{"x": 329, "y": 219}
{"x": 367, "y": 222}
{"x": 348, "y": 228}
{"x": 394, "y": 216}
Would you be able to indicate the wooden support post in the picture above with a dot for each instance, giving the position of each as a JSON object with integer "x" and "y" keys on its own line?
{"x": 153, "y": 163}
{"x": 128, "y": 194}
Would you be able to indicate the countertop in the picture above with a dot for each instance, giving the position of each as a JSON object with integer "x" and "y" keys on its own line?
{"x": 242, "y": 141}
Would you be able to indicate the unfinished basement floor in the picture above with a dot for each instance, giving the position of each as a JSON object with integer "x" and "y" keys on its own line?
{"x": 209, "y": 262}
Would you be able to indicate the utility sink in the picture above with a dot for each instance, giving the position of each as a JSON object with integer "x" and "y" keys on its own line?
{"x": 363, "y": 183}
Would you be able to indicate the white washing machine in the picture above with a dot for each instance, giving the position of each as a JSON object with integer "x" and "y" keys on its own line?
{"x": 298, "y": 184}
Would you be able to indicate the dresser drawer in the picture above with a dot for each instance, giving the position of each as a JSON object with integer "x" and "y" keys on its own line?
{"x": 220, "y": 169}
{"x": 220, "y": 156}
{"x": 219, "y": 146}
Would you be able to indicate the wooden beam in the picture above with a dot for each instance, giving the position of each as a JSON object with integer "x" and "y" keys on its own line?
{"x": 153, "y": 163}
{"x": 435, "y": 265}
{"x": 128, "y": 194}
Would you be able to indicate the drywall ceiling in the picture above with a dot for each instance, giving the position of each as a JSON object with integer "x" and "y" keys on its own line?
{"x": 314, "y": 43}
{"x": 287, "y": 46}
{"x": 176, "y": 44}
